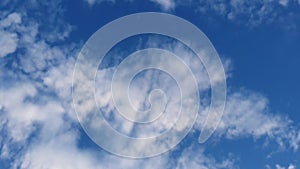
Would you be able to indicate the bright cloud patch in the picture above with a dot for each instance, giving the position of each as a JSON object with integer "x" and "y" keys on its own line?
{"x": 39, "y": 128}
{"x": 8, "y": 43}
{"x": 8, "y": 39}
{"x": 166, "y": 4}
{"x": 247, "y": 115}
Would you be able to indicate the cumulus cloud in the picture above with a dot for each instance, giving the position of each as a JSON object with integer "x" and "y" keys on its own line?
{"x": 40, "y": 125}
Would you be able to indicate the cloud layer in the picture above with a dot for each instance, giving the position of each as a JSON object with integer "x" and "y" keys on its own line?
{"x": 40, "y": 125}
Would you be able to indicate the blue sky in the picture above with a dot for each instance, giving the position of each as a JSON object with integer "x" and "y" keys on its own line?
{"x": 258, "y": 42}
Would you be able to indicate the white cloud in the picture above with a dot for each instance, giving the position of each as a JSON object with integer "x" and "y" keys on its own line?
{"x": 8, "y": 39}
{"x": 29, "y": 110}
{"x": 91, "y": 2}
{"x": 249, "y": 13}
{"x": 27, "y": 107}
{"x": 8, "y": 43}
{"x": 196, "y": 158}
{"x": 247, "y": 115}
{"x": 142, "y": 88}
{"x": 13, "y": 18}
{"x": 283, "y": 2}
{"x": 60, "y": 152}
{"x": 165, "y": 4}
{"x": 291, "y": 166}
{"x": 279, "y": 167}
{"x": 4, "y": 152}
{"x": 37, "y": 116}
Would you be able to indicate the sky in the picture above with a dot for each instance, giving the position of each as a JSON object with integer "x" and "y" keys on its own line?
{"x": 257, "y": 42}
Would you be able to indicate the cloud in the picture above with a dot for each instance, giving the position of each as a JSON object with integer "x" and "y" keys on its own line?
{"x": 291, "y": 166}
{"x": 8, "y": 43}
{"x": 249, "y": 13}
{"x": 36, "y": 113}
{"x": 139, "y": 92}
{"x": 8, "y": 39}
{"x": 42, "y": 123}
{"x": 195, "y": 158}
{"x": 247, "y": 115}
{"x": 41, "y": 128}
{"x": 13, "y": 18}
{"x": 283, "y": 2}
{"x": 93, "y": 2}
{"x": 279, "y": 167}
{"x": 165, "y": 4}
{"x": 60, "y": 152}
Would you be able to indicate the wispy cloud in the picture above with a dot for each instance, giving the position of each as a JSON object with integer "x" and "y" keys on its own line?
{"x": 249, "y": 13}
{"x": 93, "y": 2}
{"x": 247, "y": 115}
{"x": 195, "y": 158}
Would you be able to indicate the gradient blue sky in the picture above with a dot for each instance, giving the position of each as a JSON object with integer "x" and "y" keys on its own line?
{"x": 258, "y": 42}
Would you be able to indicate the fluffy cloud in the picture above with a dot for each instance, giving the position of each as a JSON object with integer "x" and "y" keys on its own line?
{"x": 36, "y": 113}
{"x": 41, "y": 129}
{"x": 291, "y": 166}
{"x": 13, "y": 18}
{"x": 8, "y": 39}
{"x": 8, "y": 43}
